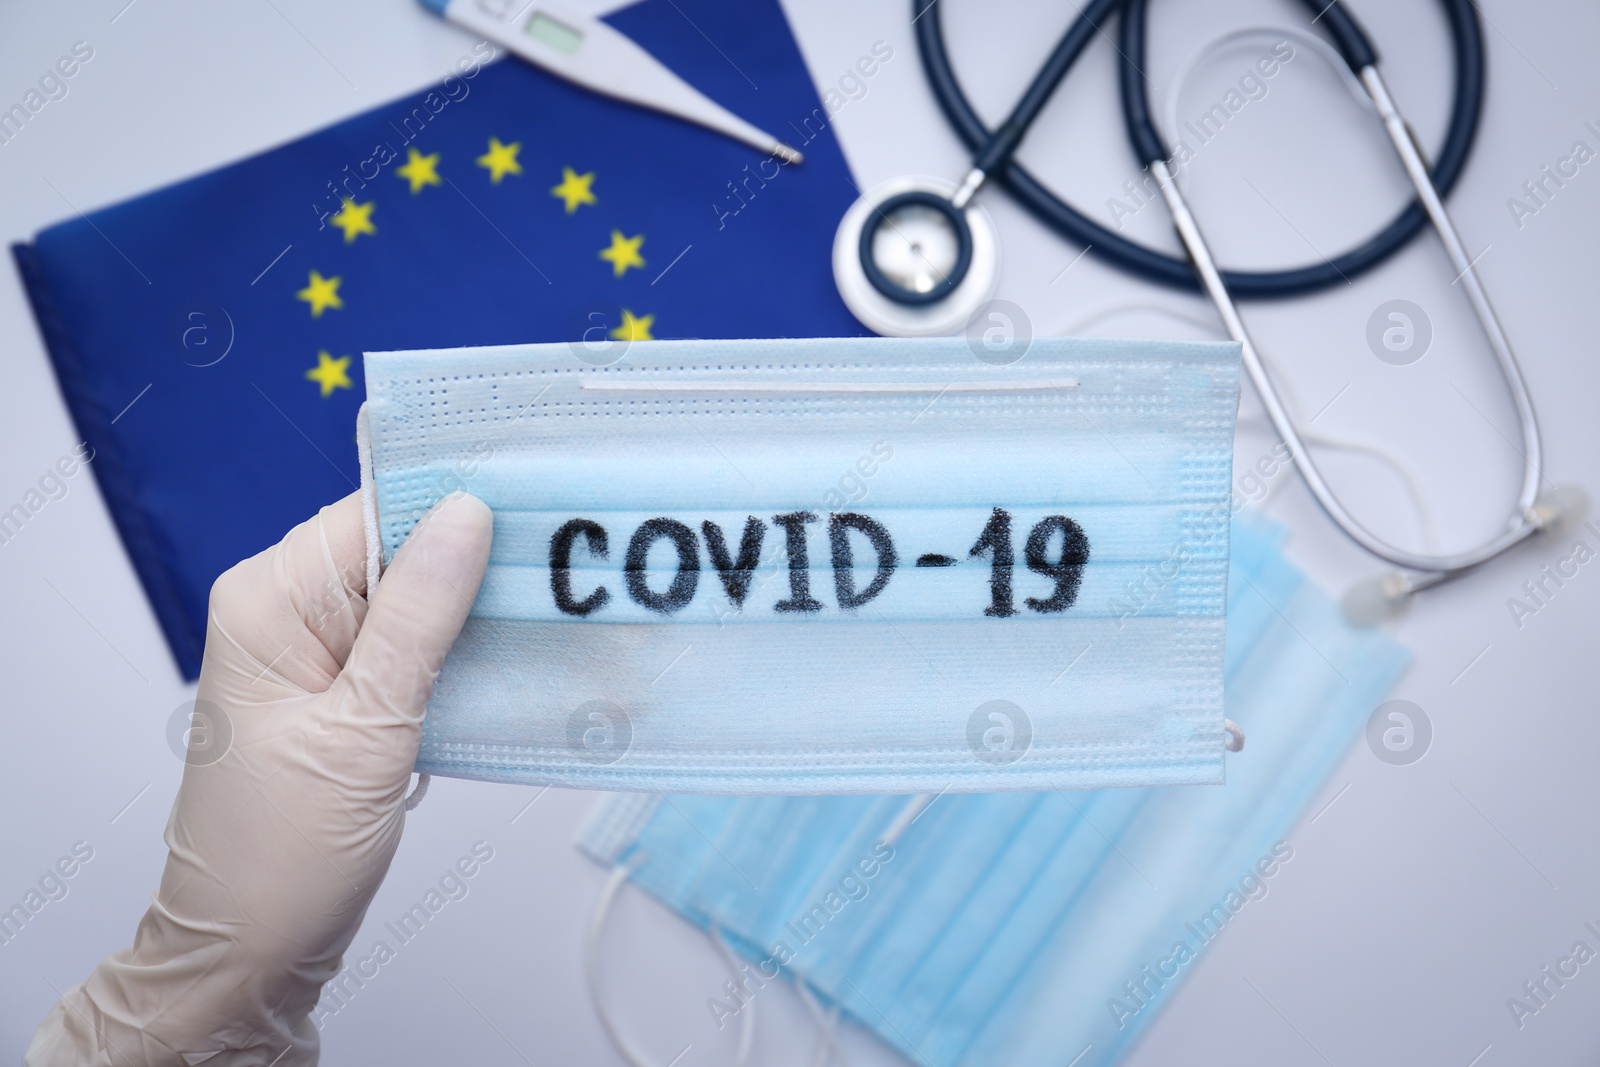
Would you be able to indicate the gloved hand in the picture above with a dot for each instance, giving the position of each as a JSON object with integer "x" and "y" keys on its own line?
{"x": 276, "y": 848}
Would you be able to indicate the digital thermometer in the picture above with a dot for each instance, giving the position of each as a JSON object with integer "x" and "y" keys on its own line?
{"x": 584, "y": 50}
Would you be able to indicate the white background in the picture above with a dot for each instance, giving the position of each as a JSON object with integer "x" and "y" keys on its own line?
{"x": 1420, "y": 899}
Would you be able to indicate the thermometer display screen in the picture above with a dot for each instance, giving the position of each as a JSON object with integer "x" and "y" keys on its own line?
{"x": 557, "y": 35}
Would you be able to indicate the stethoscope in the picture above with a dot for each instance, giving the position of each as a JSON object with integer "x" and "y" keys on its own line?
{"x": 917, "y": 257}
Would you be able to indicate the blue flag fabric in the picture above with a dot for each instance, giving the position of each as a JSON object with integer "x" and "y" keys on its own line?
{"x": 208, "y": 336}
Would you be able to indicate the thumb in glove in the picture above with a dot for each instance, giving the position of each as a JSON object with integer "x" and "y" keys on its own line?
{"x": 292, "y": 802}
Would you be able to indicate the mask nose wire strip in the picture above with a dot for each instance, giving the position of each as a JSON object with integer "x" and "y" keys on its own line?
{"x": 646, "y": 385}
{"x": 591, "y": 969}
{"x": 910, "y": 813}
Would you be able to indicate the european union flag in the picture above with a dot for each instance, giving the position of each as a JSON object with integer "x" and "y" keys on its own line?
{"x": 207, "y": 337}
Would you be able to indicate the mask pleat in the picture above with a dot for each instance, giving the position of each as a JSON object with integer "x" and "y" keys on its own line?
{"x": 676, "y": 847}
{"x": 826, "y": 961}
{"x": 984, "y": 825}
{"x": 757, "y": 856}
{"x": 812, "y": 867}
{"x": 997, "y": 925}
{"x": 992, "y": 906}
{"x": 1259, "y": 579}
{"x": 1030, "y": 923}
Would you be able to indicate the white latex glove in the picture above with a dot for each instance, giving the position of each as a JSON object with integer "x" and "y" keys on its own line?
{"x": 276, "y": 849}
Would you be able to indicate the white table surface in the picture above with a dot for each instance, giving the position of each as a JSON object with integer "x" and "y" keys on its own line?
{"x": 1418, "y": 902}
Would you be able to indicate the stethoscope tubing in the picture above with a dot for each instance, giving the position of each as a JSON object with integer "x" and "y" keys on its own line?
{"x": 1362, "y": 59}
{"x": 1199, "y": 268}
{"x": 1176, "y": 271}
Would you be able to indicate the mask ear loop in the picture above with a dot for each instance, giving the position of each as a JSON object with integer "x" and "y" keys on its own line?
{"x": 1080, "y": 327}
{"x": 827, "y": 1024}
{"x": 1413, "y": 485}
{"x": 827, "y": 1021}
{"x": 747, "y": 1016}
{"x": 591, "y": 968}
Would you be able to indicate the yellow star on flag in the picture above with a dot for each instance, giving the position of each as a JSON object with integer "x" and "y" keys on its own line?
{"x": 501, "y": 159}
{"x": 574, "y": 188}
{"x": 322, "y": 294}
{"x": 355, "y": 219}
{"x": 419, "y": 170}
{"x": 331, "y": 373}
{"x": 623, "y": 253}
{"x": 634, "y": 327}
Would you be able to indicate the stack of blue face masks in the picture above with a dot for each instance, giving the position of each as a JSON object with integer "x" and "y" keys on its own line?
{"x": 1022, "y": 928}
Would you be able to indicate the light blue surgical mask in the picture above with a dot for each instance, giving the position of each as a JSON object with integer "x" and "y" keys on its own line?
{"x": 1022, "y": 928}
{"x": 835, "y": 566}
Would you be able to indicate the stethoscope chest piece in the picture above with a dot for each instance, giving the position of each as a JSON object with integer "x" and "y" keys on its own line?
{"x": 910, "y": 264}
